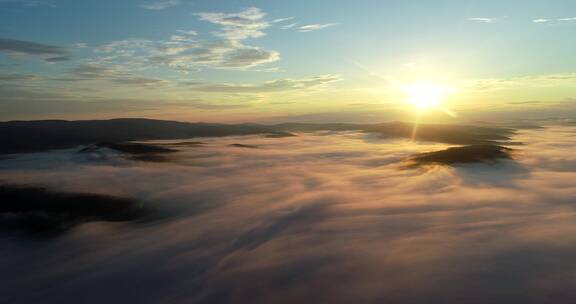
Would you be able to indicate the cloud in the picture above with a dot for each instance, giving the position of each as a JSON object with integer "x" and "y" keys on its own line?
{"x": 249, "y": 23}
{"x": 282, "y": 19}
{"x": 278, "y": 85}
{"x": 30, "y": 3}
{"x": 545, "y": 80}
{"x": 315, "y": 27}
{"x": 185, "y": 51}
{"x": 216, "y": 107}
{"x": 482, "y": 20}
{"x": 527, "y": 102}
{"x": 160, "y": 5}
{"x": 248, "y": 57}
{"x": 57, "y": 59}
{"x": 127, "y": 47}
{"x": 16, "y": 77}
{"x": 278, "y": 224}
{"x": 225, "y": 54}
{"x": 96, "y": 72}
{"x": 24, "y": 103}
{"x": 92, "y": 71}
{"x": 27, "y": 96}
{"x": 555, "y": 20}
{"x": 20, "y": 47}
{"x": 23, "y": 95}
{"x": 288, "y": 26}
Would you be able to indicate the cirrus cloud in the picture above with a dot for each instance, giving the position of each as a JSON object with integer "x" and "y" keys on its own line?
{"x": 555, "y": 20}
{"x": 160, "y": 5}
{"x": 315, "y": 27}
{"x": 482, "y": 20}
{"x": 277, "y": 85}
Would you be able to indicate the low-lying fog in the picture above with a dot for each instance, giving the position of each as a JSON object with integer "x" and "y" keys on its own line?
{"x": 317, "y": 218}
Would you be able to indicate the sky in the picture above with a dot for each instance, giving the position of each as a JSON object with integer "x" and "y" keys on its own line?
{"x": 271, "y": 61}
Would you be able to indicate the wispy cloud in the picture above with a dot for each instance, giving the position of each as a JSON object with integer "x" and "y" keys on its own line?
{"x": 160, "y": 5}
{"x": 112, "y": 75}
{"x": 269, "y": 86}
{"x": 540, "y": 20}
{"x": 532, "y": 81}
{"x": 5, "y": 78}
{"x": 315, "y": 27}
{"x": 482, "y": 20}
{"x": 282, "y": 19}
{"x": 288, "y": 26}
{"x": 30, "y": 3}
{"x": 554, "y": 20}
{"x": 50, "y": 53}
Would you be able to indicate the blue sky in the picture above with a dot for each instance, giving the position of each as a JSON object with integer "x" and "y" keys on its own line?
{"x": 253, "y": 60}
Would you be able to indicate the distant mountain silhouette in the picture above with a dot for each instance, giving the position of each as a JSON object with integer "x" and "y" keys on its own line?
{"x": 32, "y": 136}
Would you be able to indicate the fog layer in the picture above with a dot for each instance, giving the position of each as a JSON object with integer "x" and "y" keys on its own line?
{"x": 332, "y": 217}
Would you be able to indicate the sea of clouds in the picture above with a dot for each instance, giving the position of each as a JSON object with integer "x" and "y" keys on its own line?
{"x": 331, "y": 217}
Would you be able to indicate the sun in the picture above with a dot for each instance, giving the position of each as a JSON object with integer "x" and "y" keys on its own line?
{"x": 425, "y": 95}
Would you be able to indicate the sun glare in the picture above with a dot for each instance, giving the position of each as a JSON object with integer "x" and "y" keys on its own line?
{"x": 424, "y": 96}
